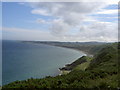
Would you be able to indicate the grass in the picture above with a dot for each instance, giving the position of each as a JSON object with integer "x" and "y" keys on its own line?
{"x": 64, "y": 72}
{"x": 84, "y": 65}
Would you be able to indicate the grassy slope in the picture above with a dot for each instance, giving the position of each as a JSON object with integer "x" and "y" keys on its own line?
{"x": 78, "y": 62}
{"x": 101, "y": 72}
{"x": 83, "y": 66}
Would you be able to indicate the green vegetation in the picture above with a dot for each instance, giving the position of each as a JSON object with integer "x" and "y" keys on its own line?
{"x": 99, "y": 72}
{"x": 80, "y": 64}
{"x": 85, "y": 65}
{"x": 79, "y": 61}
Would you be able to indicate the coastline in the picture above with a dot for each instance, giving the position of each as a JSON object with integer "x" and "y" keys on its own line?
{"x": 85, "y": 52}
{"x": 99, "y": 72}
{"x": 63, "y": 71}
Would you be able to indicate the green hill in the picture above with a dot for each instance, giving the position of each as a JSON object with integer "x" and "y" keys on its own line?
{"x": 100, "y": 72}
{"x": 79, "y": 61}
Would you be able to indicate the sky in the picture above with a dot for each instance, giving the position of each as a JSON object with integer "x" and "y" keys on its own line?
{"x": 60, "y": 21}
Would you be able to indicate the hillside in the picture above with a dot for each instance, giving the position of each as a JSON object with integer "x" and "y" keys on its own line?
{"x": 100, "y": 72}
{"x": 81, "y": 60}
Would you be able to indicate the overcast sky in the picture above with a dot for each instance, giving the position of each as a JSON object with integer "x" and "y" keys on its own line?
{"x": 60, "y": 21}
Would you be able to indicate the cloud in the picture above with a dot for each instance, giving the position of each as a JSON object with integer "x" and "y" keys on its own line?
{"x": 40, "y": 11}
{"x": 71, "y": 13}
{"x": 97, "y": 31}
{"x": 65, "y": 18}
{"x": 41, "y": 21}
{"x": 101, "y": 31}
{"x": 108, "y": 1}
{"x": 74, "y": 15}
{"x": 59, "y": 27}
{"x": 114, "y": 11}
{"x": 26, "y": 34}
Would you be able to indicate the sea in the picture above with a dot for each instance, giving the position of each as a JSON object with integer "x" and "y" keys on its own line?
{"x": 21, "y": 61}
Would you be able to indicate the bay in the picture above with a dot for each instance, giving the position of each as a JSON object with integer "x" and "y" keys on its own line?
{"x": 21, "y": 61}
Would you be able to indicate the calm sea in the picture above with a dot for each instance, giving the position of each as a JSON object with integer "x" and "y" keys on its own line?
{"x": 21, "y": 61}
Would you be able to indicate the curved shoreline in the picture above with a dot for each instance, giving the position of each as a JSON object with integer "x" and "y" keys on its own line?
{"x": 60, "y": 46}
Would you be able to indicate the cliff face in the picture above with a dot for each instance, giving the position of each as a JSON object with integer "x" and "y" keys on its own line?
{"x": 101, "y": 73}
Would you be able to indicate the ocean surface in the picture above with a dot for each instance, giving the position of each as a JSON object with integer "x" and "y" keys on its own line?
{"x": 21, "y": 61}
